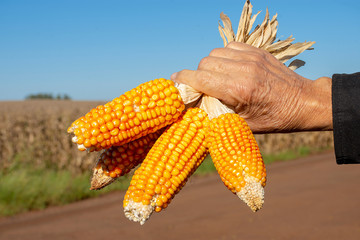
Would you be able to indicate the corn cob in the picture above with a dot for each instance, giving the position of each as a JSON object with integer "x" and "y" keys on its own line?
{"x": 168, "y": 165}
{"x": 237, "y": 158}
{"x": 149, "y": 190}
{"x": 117, "y": 161}
{"x": 143, "y": 110}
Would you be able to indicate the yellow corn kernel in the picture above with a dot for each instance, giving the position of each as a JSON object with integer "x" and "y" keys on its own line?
{"x": 240, "y": 166}
{"x": 119, "y": 160}
{"x": 168, "y": 179}
{"x": 134, "y": 114}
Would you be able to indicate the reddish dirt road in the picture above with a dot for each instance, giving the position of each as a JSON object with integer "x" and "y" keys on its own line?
{"x": 310, "y": 198}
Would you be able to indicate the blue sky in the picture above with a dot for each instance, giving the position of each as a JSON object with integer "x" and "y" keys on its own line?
{"x": 97, "y": 50}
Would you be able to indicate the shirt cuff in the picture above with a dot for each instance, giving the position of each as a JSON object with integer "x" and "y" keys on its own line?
{"x": 346, "y": 117}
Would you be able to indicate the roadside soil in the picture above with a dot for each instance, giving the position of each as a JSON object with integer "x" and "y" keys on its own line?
{"x": 309, "y": 198}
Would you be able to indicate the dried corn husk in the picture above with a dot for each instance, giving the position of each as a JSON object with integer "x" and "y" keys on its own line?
{"x": 263, "y": 36}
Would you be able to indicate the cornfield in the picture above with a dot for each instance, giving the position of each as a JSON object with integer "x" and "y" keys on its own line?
{"x": 34, "y": 132}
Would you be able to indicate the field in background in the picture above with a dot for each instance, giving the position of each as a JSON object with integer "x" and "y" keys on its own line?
{"x": 40, "y": 166}
{"x": 34, "y": 132}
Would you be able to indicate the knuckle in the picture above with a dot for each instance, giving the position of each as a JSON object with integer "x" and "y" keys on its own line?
{"x": 252, "y": 66}
{"x": 259, "y": 56}
{"x": 254, "y": 56}
{"x": 232, "y": 44}
{"x": 204, "y": 63}
{"x": 203, "y": 77}
{"x": 216, "y": 52}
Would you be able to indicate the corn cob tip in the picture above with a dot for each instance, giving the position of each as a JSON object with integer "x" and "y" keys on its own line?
{"x": 81, "y": 147}
{"x": 100, "y": 180}
{"x": 252, "y": 193}
{"x": 70, "y": 129}
{"x": 138, "y": 212}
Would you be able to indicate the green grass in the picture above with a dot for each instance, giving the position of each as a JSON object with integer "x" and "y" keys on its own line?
{"x": 24, "y": 188}
{"x": 289, "y": 154}
{"x": 206, "y": 167}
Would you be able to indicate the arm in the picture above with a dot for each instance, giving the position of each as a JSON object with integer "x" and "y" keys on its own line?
{"x": 268, "y": 95}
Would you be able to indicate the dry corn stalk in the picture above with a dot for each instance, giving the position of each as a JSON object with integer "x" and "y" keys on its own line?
{"x": 263, "y": 36}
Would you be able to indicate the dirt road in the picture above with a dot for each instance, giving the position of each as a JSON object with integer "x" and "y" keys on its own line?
{"x": 310, "y": 198}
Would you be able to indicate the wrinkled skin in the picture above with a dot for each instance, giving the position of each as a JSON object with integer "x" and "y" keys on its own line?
{"x": 262, "y": 90}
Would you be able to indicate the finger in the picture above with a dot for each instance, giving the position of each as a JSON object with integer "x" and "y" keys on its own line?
{"x": 211, "y": 83}
{"x": 224, "y": 65}
{"x": 241, "y": 46}
{"x": 250, "y": 50}
{"x": 249, "y": 54}
{"x": 225, "y": 53}
{"x": 247, "y": 49}
{"x": 234, "y": 54}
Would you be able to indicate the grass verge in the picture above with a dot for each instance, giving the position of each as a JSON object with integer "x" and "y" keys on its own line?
{"x": 25, "y": 188}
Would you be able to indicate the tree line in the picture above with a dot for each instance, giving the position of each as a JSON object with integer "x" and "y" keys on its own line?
{"x": 48, "y": 96}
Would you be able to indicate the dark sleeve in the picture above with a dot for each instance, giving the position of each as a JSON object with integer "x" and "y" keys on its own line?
{"x": 346, "y": 117}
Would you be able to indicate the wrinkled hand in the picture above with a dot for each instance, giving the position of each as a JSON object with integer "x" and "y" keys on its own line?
{"x": 262, "y": 90}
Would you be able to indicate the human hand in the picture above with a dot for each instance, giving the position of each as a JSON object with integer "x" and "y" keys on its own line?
{"x": 262, "y": 90}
